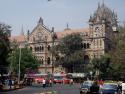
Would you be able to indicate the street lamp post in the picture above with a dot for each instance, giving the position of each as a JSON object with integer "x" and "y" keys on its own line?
{"x": 19, "y": 65}
{"x": 45, "y": 54}
{"x": 91, "y": 74}
{"x": 53, "y": 37}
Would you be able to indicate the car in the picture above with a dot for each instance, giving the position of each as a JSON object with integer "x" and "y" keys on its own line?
{"x": 85, "y": 87}
{"x": 109, "y": 88}
{"x": 61, "y": 78}
{"x": 58, "y": 79}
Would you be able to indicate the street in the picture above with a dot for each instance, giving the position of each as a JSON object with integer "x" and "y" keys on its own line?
{"x": 59, "y": 88}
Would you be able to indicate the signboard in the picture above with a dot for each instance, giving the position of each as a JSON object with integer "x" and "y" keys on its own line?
{"x": 77, "y": 75}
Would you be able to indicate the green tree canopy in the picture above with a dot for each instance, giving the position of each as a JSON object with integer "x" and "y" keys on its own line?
{"x": 28, "y": 61}
{"x": 102, "y": 64}
{"x": 4, "y": 46}
{"x": 69, "y": 51}
{"x": 118, "y": 53}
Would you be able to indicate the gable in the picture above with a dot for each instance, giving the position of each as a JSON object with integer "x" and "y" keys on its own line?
{"x": 40, "y": 33}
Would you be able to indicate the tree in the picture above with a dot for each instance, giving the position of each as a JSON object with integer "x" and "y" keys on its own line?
{"x": 101, "y": 65}
{"x": 118, "y": 53}
{"x": 69, "y": 51}
{"x": 28, "y": 61}
{"x": 4, "y": 47}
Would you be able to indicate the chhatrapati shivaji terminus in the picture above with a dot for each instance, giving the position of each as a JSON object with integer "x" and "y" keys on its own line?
{"x": 96, "y": 38}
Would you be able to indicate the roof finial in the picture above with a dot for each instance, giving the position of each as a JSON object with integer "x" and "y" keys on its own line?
{"x": 40, "y": 21}
{"x": 67, "y": 25}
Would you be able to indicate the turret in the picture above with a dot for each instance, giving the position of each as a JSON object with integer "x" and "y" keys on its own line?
{"x": 28, "y": 33}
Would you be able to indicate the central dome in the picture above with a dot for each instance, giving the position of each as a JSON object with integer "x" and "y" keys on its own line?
{"x": 103, "y": 13}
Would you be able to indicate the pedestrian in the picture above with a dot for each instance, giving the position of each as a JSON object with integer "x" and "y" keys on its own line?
{"x": 1, "y": 85}
{"x": 119, "y": 87}
{"x": 101, "y": 82}
{"x": 123, "y": 87}
{"x": 94, "y": 89}
{"x": 28, "y": 81}
{"x": 44, "y": 83}
{"x": 10, "y": 83}
{"x": 50, "y": 83}
{"x": 71, "y": 81}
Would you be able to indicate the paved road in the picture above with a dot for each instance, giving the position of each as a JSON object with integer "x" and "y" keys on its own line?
{"x": 61, "y": 89}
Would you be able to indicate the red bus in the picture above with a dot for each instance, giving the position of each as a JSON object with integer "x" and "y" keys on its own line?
{"x": 61, "y": 78}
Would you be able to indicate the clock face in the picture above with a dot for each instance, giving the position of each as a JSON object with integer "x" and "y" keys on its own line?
{"x": 97, "y": 29}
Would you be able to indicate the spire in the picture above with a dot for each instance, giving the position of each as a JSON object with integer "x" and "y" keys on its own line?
{"x": 22, "y": 32}
{"x": 52, "y": 29}
{"x": 40, "y": 21}
{"x": 28, "y": 33}
{"x": 99, "y": 5}
{"x": 103, "y": 2}
{"x": 90, "y": 19}
{"x": 67, "y": 27}
{"x": 116, "y": 17}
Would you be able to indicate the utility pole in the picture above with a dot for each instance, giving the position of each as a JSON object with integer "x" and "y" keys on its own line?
{"x": 19, "y": 64}
{"x": 45, "y": 54}
{"x": 53, "y": 37}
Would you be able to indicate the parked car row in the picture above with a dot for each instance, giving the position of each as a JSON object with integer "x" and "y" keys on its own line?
{"x": 106, "y": 88}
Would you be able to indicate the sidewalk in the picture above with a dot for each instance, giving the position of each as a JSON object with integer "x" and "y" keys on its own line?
{"x": 7, "y": 88}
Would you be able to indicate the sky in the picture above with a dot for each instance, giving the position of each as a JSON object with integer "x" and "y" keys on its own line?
{"x": 55, "y": 13}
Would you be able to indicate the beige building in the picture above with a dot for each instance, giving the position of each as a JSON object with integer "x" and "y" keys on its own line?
{"x": 96, "y": 38}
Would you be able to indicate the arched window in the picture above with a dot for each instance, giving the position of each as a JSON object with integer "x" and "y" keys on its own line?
{"x": 84, "y": 45}
{"x": 88, "y": 46}
{"x": 48, "y": 60}
{"x": 40, "y": 48}
{"x": 42, "y": 61}
{"x": 86, "y": 59}
{"x": 57, "y": 58}
{"x": 48, "y": 47}
{"x": 35, "y": 49}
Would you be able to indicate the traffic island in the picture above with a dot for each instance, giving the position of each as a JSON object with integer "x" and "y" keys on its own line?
{"x": 51, "y": 92}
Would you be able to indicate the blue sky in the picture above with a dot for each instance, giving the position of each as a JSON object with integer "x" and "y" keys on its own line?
{"x": 56, "y": 13}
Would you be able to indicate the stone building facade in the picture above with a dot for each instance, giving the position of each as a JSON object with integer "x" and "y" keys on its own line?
{"x": 40, "y": 41}
{"x": 96, "y": 38}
